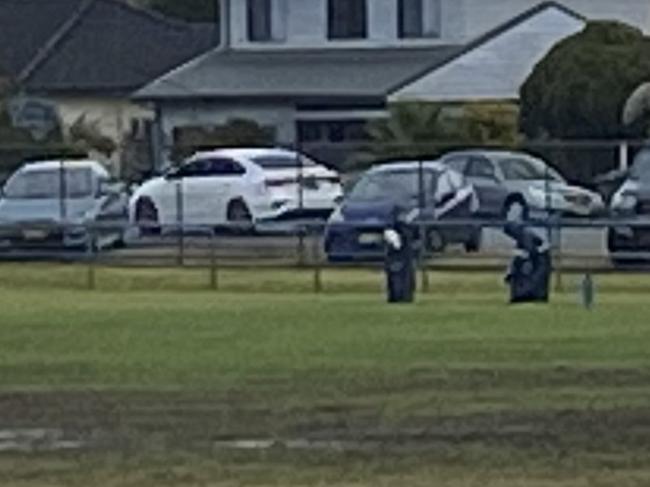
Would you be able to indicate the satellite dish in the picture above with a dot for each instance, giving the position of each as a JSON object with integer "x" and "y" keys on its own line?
{"x": 39, "y": 117}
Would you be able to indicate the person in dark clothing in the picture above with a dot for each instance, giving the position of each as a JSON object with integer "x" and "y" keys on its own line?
{"x": 399, "y": 263}
{"x": 529, "y": 272}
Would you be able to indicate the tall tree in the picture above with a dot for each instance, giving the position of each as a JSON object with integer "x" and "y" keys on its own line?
{"x": 580, "y": 88}
{"x": 429, "y": 129}
{"x": 579, "y": 91}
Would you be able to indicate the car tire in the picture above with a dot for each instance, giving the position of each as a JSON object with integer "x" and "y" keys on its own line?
{"x": 473, "y": 245}
{"x": 146, "y": 217}
{"x": 435, "y": 241}
{"x": 239, "y": 217}
{"x": 613, "y": 248}
{"x": 516, "y": 210}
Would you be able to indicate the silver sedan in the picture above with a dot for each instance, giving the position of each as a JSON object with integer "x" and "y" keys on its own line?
{"x": 516, "y": 185}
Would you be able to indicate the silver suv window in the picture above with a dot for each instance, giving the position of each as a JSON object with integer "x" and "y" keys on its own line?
{"x": 49, "y": 184}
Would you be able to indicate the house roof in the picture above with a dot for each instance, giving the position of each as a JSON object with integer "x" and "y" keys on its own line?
{"x": 91, "y": 45}
{"x": 497, "y": 65}
{"x": 308, "y": 73}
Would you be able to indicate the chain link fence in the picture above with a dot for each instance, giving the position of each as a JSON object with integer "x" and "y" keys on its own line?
{"x": 593, "y": 212}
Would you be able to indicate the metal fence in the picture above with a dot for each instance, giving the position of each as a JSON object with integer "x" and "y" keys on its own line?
{"x": 579, "y": 245}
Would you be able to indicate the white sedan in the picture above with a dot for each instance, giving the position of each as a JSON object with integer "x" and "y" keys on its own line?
{"x": 237, "y": 186}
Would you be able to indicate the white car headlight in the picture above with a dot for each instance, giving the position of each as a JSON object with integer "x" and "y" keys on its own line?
{"x": 540, "y": 197}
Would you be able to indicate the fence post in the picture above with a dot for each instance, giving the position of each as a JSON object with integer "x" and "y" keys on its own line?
{"x": 557, "y": 261}
{"x": 318, "y": 278}
{"x": 90, "y": 258}
{"x": 623, "y": 156}
{"x": 424, "y": 271}
{"x": 301, "y": 246}
{"x": 214, "y": 276}
{"x": 422, "y": 202}
{"x": 180, "y": 258}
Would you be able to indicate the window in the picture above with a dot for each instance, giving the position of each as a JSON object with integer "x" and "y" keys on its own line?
{"x": 410, "y": 18}
{"x": 419, "y": 18}
{"x": 224, "y": 167}
{"x": 310, "y": 132}
{"x": 259, "y": 20}
{"x": 400, "y": 185}
{"x": 190, "y": 170}
{"x": 641, "y": 167}
{"x": 457, "y": 163}
{"x": 48, "y": 184}
{"x": 347, "y": 19}
{"x": 520, "y": 169}
{"x": 141, "y": 128}
{"x": 333, "y": 131}
{"x": 480, "y": 168}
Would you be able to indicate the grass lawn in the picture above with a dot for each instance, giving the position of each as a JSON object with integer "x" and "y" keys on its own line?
{"x": 457, "y": 390}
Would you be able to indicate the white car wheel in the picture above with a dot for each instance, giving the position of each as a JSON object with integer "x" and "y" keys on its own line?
{"x": 239, "y": 216}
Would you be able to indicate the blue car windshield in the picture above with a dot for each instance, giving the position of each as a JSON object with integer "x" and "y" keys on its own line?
{"x": 48, "y": 184}
{"x": 398, "y": 185}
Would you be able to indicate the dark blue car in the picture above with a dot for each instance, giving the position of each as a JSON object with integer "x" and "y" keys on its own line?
{"x": 427, "y": 194}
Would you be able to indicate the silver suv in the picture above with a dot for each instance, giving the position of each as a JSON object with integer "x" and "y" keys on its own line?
{"x": 53, "y": 203}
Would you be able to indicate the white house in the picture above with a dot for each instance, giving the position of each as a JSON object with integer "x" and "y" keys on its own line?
{"x": 493, "y": 67}
{"x": 317, "y": 70}
{"x": 300, "y": 24}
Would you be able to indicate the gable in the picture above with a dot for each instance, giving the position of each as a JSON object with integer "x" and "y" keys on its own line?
{"x": 93, "y": 45}
{"x": 114, "y": 47}
{"x": 496, "y": 68}
{"x": 25, "y": 27}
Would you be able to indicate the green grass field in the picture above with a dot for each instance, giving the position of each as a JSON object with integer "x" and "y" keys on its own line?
{"x": 457, "y": 390}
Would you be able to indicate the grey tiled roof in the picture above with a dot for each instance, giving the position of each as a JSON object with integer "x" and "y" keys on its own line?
{"x": 295, "y": 73}
{"x": 91, "y": 45}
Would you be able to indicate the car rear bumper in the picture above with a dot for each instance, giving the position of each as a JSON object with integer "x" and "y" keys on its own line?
{"x": 349, "y": 242}
{"x": 294, "y": 210}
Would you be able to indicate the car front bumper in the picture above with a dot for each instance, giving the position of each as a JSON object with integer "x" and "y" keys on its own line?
{"x": 563, "y": 207}
{"x": 633, "y": 233}
{"x": 43, "y": 237}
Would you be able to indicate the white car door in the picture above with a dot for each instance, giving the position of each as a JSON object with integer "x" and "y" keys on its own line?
{"x": 187, "y": 180}
{"x": 221, "y": 185}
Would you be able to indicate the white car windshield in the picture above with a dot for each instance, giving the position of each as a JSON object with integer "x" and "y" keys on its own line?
{"x": 527, "y": 169}
{"x": 282, "y": 162}
{"x": 48, "y": 184}
{"x": 641, "y": 167}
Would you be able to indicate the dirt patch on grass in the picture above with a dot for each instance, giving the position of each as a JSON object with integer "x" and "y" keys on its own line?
{"x": 168, "y": 420}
